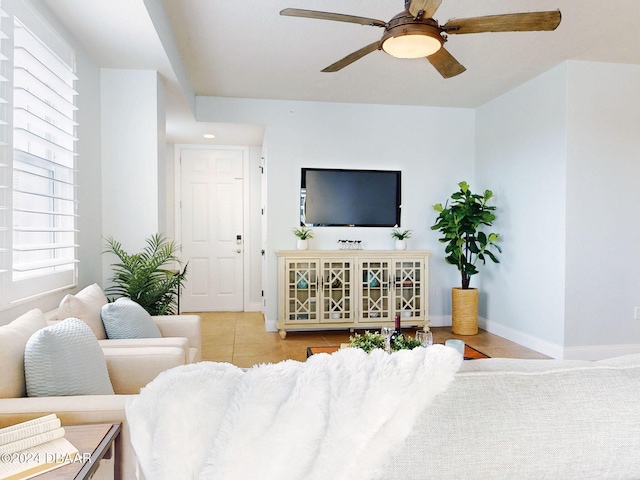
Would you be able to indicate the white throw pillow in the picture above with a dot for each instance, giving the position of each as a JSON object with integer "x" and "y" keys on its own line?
{"x": 65, "y": 359}
{"x": 13, "y": 338}
{"x": 85, "y": 305}
{"x": 125, "y": 318}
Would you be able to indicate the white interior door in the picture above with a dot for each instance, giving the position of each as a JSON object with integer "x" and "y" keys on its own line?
{"x": 212, "y": 229}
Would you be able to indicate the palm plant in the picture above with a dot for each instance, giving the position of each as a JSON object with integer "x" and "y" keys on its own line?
{"x": 143, "y": 278}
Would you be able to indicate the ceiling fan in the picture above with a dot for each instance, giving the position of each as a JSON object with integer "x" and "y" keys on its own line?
{"x": 414, "y": 33}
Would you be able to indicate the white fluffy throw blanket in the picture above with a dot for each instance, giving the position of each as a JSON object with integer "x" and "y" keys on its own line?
{"x": 332, "y": 417}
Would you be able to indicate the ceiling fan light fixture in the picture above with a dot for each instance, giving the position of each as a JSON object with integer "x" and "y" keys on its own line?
{"x": 411, "y": 46}
{"x": 412, "y": 41}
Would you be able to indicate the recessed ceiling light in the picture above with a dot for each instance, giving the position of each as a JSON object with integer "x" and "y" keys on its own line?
{"x": 209, "y": 135}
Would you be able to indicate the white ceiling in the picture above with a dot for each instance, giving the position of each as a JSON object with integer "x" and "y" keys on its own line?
{"x": 244, "y": 48}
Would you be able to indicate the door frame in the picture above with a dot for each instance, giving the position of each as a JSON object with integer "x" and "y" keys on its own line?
{"x": 247, "y": 246}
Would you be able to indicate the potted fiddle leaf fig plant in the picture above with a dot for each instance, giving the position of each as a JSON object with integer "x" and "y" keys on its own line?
{"x": 467, "y": 246}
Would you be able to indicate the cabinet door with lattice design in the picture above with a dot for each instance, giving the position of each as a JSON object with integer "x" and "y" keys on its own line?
{"x": 375, "y": 296}
{"x": 302, "y": 291}
{"x": 408, "y": 289}
{"x": 337, "y": 294}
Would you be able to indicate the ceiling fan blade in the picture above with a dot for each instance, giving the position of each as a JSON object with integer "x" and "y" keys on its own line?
{"x": 349, "y": 59}
{"x": 429, "y": 7}
{"x": 510, "y": 22}
{"x": 337, "y": 17}
{"x": 446, "y": 65}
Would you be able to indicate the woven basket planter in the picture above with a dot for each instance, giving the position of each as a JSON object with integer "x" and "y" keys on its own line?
{"x": 464, "y": 311}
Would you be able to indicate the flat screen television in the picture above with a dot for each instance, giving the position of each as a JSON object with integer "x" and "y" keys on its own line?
{"x": 331, "y": 197}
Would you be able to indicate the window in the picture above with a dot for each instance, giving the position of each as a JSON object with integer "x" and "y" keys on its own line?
{"x": 41, "y": 209}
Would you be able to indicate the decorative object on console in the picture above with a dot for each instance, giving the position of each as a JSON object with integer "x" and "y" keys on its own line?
{"x": 144, "y": 278}
{"x": 460, "y": 222}
{"x": 401, "y": 238}
{"x": 301, "y": 281}
{"x": 350, "y": 244}
{"x": 304, "y": 234}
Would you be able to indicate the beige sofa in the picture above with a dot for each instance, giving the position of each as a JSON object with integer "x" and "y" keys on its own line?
{"x": 131, "y": 366}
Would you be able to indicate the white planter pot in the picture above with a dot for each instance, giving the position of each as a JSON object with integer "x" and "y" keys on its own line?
{"x": 401, "y": 244}
{"x": 302, "y": 244}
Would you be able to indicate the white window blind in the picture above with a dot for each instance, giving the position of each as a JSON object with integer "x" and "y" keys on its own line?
{"x": 6, "y": 90}
{"x": 43, "y": 210}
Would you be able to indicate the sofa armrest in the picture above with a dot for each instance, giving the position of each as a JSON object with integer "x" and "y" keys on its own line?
{"x": 130, "y": 369}
{"x": 187, "y": 326}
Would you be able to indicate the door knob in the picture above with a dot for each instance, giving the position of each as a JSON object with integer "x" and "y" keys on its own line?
{"x": 237, "y": 251}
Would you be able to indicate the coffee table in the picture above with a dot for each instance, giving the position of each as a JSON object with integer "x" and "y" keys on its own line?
{"x": 94, "y": 442}
{"x": 470, "y": 353}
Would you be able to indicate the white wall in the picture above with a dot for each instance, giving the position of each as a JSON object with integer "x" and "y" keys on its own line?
{"x": 432, "y": 146}
{"x": 521, "y": 157}
{"x": 164, "y": 166}
{"x": 170, "y": 189}
{"x": 563, "y": 153}
{"x": 253, "y": 228}
{"x": 131, "y": 101}
{"x": 89, "y": 172}
{"x": 603, "y": 201}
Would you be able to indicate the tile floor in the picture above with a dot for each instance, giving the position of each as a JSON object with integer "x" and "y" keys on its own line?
{"x": 240, "y": 338}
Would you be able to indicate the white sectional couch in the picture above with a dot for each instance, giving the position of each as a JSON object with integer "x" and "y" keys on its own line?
{"x": 529, "y": 419}
{"x": 499, "y": 419}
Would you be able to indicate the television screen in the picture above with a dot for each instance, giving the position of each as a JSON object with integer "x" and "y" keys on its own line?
{"x": 355, "y": 198}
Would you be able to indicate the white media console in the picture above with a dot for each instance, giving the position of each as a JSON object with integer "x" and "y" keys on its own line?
{"x": 340, "y": 289}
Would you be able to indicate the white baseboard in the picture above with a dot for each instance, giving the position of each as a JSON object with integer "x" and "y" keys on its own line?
{"x": 534, "y": 343}
{"x": 270, "y": 325}
{"x": 600, "y": 352}
{"x": 587, "y": 352}
{"x": 526, "y": 340}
